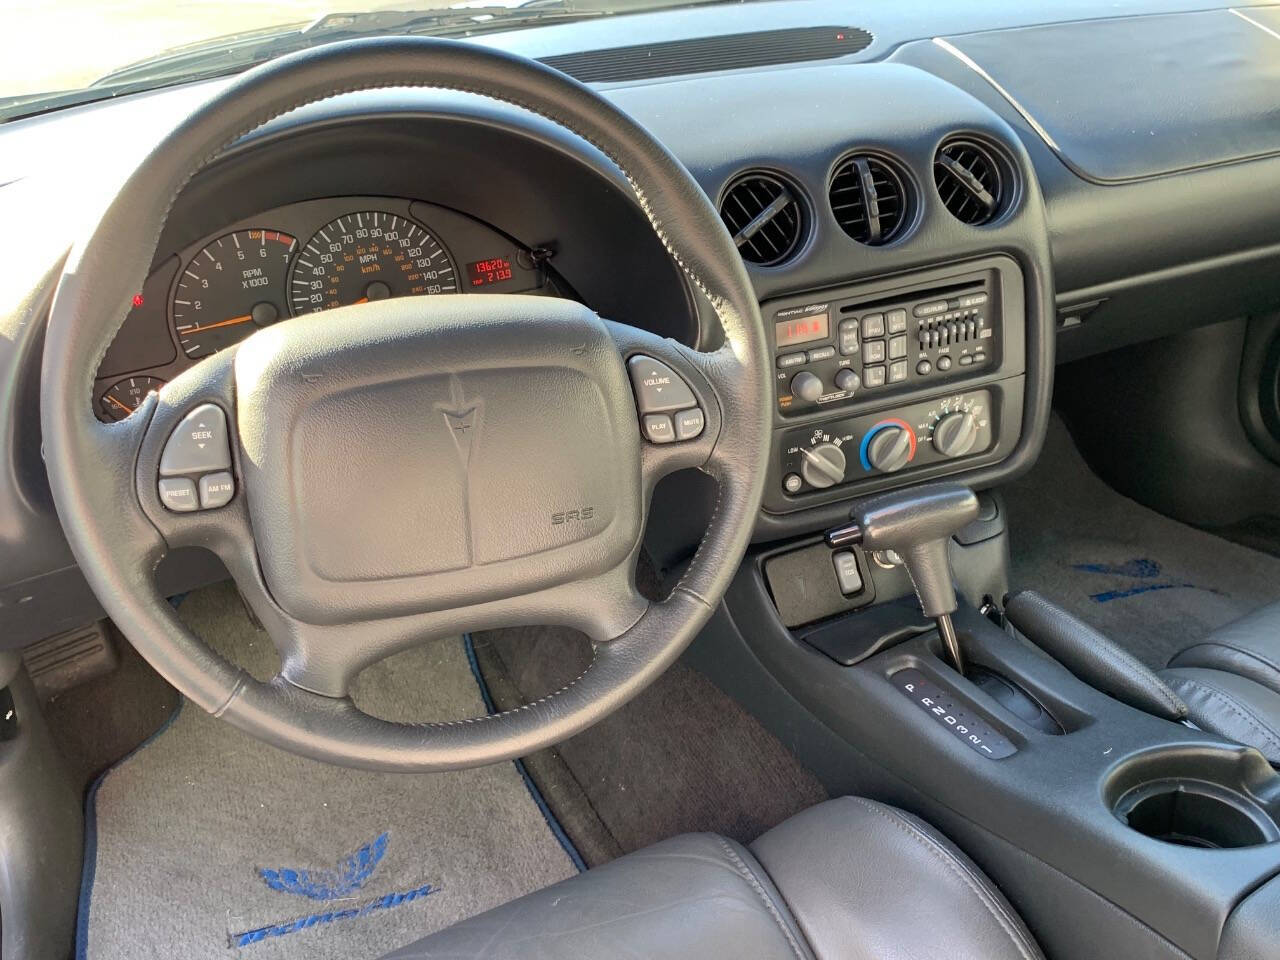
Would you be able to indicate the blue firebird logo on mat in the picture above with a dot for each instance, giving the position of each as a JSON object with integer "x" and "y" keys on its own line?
{"x": 1147, "y": 572}
{"x": 348, "y": 876}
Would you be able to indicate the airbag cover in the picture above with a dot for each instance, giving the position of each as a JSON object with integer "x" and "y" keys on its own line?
{"x": 431, "y": 452}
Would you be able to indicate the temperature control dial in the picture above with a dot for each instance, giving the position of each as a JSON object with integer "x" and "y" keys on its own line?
{"x": 956, "y": 433}
{"x": 888, "y": 446}
{"x": 823, "y": 465}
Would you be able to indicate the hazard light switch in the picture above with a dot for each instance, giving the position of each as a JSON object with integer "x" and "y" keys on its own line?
{"x": 198, "y": 444}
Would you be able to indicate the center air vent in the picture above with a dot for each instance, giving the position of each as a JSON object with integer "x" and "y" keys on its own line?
{"x": 869, "y": 199}
{"x": 764, "y": 217}
{"x": 970, "y": 181}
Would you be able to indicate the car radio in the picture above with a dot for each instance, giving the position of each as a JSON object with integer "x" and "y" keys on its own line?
{"x": 896, "y": 380}
{"x": 828, "y": 352}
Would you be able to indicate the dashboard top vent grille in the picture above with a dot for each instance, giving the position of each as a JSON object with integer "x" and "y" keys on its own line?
{"x": 969, "y": 180}
{"x": 764, "y": 217}
{"x": 708, "y": 54}
{"x": 869, "y": 199}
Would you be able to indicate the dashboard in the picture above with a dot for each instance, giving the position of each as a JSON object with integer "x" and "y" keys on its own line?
{"x": 916, "y": 343}
{"x": 300, "y": 258}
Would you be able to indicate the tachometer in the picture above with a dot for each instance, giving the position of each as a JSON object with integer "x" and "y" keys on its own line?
{"x": 123, "y": 397}
{"x": 230, "y": 288}
{"x": 369, "y": 255}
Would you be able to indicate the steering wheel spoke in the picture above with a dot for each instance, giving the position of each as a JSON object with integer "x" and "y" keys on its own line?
{"x": 680, "y": 413}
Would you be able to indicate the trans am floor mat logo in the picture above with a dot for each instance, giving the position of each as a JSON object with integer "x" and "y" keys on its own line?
{"x": 1146, "y": 572}
{"x": 327, "y": 886}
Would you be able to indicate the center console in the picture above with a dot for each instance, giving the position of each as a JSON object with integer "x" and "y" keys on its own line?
{"x": 1115, "y": 831}
{"x": 899, "y": 380}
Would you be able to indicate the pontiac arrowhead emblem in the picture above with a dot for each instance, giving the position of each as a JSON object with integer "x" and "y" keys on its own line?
{"x": 461, "y": 417}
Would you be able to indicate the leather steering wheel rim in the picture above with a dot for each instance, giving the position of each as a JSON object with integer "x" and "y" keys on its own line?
{"x": 94, "y": 467}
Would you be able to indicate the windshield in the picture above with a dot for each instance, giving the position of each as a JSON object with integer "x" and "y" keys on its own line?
{"x": 62, "y": 52}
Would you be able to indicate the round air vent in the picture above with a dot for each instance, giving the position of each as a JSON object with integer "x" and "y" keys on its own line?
{"x": 972, "y": 181}
{"x": 869, "y": 199}
{"x": 764, "y": 217}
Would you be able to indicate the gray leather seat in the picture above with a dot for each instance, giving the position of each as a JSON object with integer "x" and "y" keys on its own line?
{"x": 847, "y": 878}
{"x": 1230, "y": 681}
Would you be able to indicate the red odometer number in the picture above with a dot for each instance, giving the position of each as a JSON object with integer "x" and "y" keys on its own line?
{"x": 484, "y": 272}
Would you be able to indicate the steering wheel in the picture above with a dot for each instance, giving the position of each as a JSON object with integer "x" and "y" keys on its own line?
{"x": 411, "y": 468}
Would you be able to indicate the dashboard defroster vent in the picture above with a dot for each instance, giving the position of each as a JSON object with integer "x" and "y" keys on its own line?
{"x": 869, "y": 199}
{"x": 736, "y": 51}
{"x": 764, "y": 217}
{"x": 971, "y": 183}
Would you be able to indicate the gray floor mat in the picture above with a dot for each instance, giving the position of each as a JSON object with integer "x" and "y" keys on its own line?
{"x": 1151, "y": 584}
{"x": 680, "y": 757}
{"x": 204, "y": 835}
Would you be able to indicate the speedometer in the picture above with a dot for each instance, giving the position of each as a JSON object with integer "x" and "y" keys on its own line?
{"x": 369, "y": 255}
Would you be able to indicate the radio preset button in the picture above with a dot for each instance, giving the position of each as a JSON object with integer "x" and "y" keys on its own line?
{"x": 897, "y": 320}
{"x": 897, "y": 371}
{"x": 897, "y": 348}
{"x": 873, "y": 376}
{"x": 873, "y": 325}
{"x": 873, "y": 351}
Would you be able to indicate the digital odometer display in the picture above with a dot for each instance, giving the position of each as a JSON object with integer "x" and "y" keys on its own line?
{"x": 482, "y": 273}
{"x": 368, "y": 255}
{"x": 816, "y": 326}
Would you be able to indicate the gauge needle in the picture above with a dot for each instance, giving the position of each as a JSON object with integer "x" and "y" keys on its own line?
{"x": 127, "y": 410}
{"x": 221, "y": 323}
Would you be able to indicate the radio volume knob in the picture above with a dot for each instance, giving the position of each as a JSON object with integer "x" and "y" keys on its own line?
{"x": 806, "y": 386}
{"x": 823, "y": 465}
{"x": 955, "y": 434}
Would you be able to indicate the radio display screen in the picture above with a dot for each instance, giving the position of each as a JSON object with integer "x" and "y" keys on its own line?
{"x": 816, "y": 326}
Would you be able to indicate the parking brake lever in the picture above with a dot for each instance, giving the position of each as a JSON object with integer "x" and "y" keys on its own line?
{"x": 916, "y": 524}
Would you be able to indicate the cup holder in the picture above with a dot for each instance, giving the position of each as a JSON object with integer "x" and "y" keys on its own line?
{"x": 1212, "y": 799}
{"x": 1194, "y": 814}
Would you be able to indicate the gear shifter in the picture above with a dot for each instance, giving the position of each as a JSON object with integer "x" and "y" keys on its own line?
{"x": 916, "y": 525}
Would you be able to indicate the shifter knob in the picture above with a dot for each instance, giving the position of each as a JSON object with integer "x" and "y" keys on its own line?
{"x": 916, "y": 523}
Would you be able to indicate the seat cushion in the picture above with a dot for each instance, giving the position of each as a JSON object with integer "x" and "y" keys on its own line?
{"x": 1248, "y": 647}
{"x": 1230, "y": 681}
{"x": 847, "y": 878}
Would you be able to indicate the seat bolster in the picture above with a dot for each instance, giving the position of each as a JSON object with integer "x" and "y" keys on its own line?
{"x": 1231, "y": 706}
{"x": 1249, "y": 647}
{"x": 693, "y": 896}
{"x": 867, "y": 880}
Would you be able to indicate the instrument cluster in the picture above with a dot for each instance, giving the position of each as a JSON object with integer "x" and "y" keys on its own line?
{"x": 302, "y": 258}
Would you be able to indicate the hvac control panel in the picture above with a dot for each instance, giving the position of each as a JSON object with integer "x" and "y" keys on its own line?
{"x": 830, "y": 352}
{"x": 846, "y": 450}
